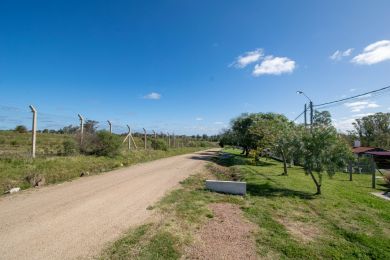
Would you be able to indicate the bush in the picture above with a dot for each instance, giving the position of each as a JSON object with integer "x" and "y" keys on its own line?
{"x": 21, "y": 129}
{"x": 70, "y": 147}
{"x": 159, "y": 145}
{"x": 102, "y": 143}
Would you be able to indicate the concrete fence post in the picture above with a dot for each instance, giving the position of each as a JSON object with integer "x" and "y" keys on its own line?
{"x": 34, "y": 131}
{"x": 129, "y": 137}
{"x": 144, "y": 138}
{"x": 81, "y": 118}
{"x": 110, "y": 125}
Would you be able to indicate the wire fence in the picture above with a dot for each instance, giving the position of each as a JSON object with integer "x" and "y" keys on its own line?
{"x": 53, "y": 130}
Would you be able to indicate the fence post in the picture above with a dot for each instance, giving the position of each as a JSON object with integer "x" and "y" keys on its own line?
{"x": 144, "y": 137}
{"x": 169, "y": 140}
{"x": 34, "y": 130}
{"x": 373, "y": 170}
{"x": 110, "y": 125}
{"x": 129, "y": 137}
{"x": 155, "y": 135}
{"x": 174, "y": 140}
{"x": 81, "y": 128}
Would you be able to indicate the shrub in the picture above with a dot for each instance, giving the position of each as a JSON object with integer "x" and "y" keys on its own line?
{"x": 70, "y": 147}
{"x": 102, "y": 143}
{"x": 21, "y": 129}
{"x": 14, "y": 142}
{"x": 159, "y": 145}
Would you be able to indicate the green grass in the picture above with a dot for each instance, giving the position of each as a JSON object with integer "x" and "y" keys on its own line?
{"x": 345, "y": 222}
{"x": 348, "y": 221}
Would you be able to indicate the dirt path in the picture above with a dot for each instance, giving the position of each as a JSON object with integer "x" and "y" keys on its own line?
{"x": 76, "y": 219}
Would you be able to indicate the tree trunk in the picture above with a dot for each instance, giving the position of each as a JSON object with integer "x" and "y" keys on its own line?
{"x": 284, "y": 164}
{"x": 318, "y": 185}
{"x": 246, "y": 152}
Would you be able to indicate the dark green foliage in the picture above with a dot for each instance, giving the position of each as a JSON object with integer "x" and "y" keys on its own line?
{"x": 70, "y": 147}
{"x": 21, "y": 129}
{"x": 106, "y": 144}
{"x": 373, "y": 130}
{"x": 159, "y": 145}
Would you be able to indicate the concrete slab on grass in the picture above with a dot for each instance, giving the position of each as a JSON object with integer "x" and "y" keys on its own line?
{"x": 381, "y": 195}
{"x": 230, "y": 187}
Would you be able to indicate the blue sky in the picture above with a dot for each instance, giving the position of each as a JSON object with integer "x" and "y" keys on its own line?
{"x": 189, "y": 66}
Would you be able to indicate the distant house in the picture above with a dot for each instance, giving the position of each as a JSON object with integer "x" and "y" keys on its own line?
{"x": 379, "y": 155}
{"x": 364, "y": 150}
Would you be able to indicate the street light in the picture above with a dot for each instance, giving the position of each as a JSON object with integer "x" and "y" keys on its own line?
{"x": 310, "y": 105}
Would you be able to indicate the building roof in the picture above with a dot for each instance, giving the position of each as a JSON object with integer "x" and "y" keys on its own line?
{"x": 363, "y": 149}
{"x": 387, "y": 154}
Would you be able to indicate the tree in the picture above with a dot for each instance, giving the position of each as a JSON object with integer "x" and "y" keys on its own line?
{"x": 244, "y": 137}
{"x": 324, "y": 151}
{"x": 21, "y": 129}
{"x": 322, "y": 118}
{"x": 374, "y": 130}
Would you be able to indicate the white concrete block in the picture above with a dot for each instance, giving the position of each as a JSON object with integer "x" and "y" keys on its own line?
{"x": 230, "y": 187}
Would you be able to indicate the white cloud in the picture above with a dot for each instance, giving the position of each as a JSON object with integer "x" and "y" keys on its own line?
{"x": 274, "y": 66}
{"x": 199, "y": 118}
{"x": 374, "y": 53}
{"x": 361, "y": 105}
{"x": 249, "y": 57}
{"x": 153, "y": 95}
{"x": 219, "y": 123}
{"x": 352, "y": 89}
{"x": 338, "y": 55}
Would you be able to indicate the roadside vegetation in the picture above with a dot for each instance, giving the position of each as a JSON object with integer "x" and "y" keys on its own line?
{"x": 346, "y": 221}
{"x": 60, "y": 157}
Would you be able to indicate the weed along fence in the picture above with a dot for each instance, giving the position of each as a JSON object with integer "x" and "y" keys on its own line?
{"x": 56, "y": 135}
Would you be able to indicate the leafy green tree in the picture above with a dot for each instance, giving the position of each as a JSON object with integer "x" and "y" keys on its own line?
{"x": 322, "y": 118}
{"x": 21, "y": 129}
{"x": 374, "y": 130}
{"x": 323, "y": 151}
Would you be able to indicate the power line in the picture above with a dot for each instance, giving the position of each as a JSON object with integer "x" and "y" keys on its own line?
{"x": 352, "y": 97}
{"x": 298, "y": 116}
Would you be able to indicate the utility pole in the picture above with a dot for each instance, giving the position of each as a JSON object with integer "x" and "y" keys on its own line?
{"x": 144, "y": 138}
{"x": 174, "y": 140}
{"x": 169, "y": 141}
{"x": 81, "y": 128}
{"x": 305, "y": 111}
{"x": 155, "y": 135}
{"x": 311, "y": 115}
{"x": 110, "y": 125}
{"x": 34, "y": 130}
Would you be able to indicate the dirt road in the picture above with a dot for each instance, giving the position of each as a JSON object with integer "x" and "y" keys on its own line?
{"x": 76, "y": 219}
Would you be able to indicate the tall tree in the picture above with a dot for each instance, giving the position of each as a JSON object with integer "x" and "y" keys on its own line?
{"x": 374, "y": 130}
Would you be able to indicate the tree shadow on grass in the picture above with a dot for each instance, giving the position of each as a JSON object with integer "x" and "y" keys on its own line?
{"x": 267, "y": 190}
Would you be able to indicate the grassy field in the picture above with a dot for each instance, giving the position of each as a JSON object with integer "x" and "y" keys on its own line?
{"x": 346, "y": 222}
{"x": 16, "y": 166}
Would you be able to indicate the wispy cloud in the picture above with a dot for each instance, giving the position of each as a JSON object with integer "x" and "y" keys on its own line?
{"x": 361, "y": 105}
{"x": 374, "y": 53}
{"x": 219, "y": 123}
{"x": 199, "y": 118}
{"x": 247, "y": 58}
{"x": 153, "y": 95}
{"x": 338, "y": 55}
{"x": 274, "y": 66}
